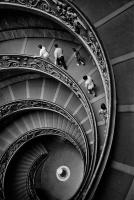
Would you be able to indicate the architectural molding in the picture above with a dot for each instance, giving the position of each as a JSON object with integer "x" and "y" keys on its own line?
{"x": 125, "y": 108}
{"x": 112, "y": 15}
{"x": 122, "y": 58}
{"x": 127, "y": 169}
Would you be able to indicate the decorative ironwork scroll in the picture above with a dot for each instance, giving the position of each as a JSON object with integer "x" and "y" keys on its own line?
{"x": 40, "y": 65}
{"x": 68, "y": 15}
{"x": 23, "y": 62}
{"x": 9, "y": 109}
{"x": 17, "y": 106}
{"x": 14, "y": 107}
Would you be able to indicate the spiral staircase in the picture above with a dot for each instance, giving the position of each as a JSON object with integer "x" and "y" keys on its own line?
{"x": 53, "y": 142}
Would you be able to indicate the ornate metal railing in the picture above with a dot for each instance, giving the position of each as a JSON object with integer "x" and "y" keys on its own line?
{"x": 23, "y": 105}
{"x": 86, "y": 34}
{"x": 14, "y": 147}
{"x": 11, "y": 62}
{"x": 23, "y": 62}
{"x": 40, "y": 65}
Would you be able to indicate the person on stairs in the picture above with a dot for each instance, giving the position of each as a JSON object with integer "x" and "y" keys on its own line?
{"x": 43, "y": 52}
{"x": 78, "y": 57}
{"x": 76, "y": 25}
{"x": 89, "y": 84}
{"x": 59, "y": 57}
{"x": 103, "y": 112}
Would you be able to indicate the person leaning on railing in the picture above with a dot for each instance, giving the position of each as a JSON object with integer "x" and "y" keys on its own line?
{"x": 43, "y": 52}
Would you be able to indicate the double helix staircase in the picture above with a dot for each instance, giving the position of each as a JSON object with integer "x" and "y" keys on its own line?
{"x": 38, "y": 97}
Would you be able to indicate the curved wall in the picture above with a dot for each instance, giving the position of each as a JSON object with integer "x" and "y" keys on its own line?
{"x": 29, "y": 46}
{"x": 114, "y": 23}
